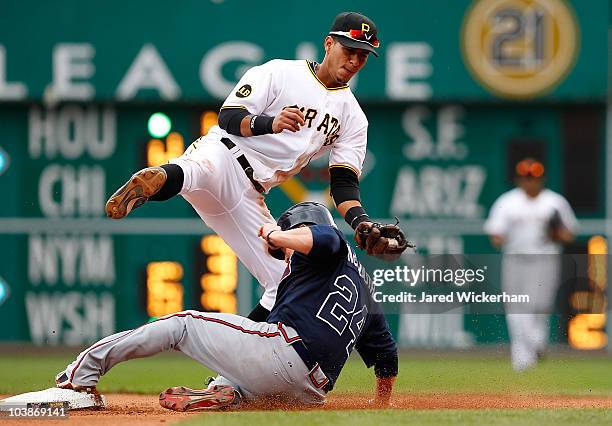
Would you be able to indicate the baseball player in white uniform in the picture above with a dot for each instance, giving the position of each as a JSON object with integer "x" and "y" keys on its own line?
{"x": 280, "y": 115}
{"x": 529, "y": 223}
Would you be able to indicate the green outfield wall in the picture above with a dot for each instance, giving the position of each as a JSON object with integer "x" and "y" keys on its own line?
{"x": 460, "y": 91}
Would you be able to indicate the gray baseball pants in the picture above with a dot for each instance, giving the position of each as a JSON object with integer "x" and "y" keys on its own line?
{"x": 255, "y": 358}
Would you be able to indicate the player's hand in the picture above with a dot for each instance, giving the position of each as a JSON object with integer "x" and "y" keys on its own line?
{"x": 264, "y": 232}
{"x": 265, "y": 229}
{"x": 288, "y": 119}
{"x": 384, "y": 388}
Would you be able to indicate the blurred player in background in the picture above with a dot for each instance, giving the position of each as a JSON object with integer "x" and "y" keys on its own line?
{"x": 529, "y": 224}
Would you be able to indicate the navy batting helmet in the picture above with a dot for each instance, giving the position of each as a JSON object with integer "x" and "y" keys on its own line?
{"x": 306, "y": 213}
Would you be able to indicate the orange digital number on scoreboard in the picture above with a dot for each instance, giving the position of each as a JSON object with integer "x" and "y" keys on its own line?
{"x": 221, "y": 279}
{"x": 586, "y": 330}
{"x": 208, "y": 119}
{"x": 164, "y": 288}
{"x": 160, "y": 152}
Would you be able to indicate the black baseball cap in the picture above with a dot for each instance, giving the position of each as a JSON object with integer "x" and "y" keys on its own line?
{"x": 356, "y": 31}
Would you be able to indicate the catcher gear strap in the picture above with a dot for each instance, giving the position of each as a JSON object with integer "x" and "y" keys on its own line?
{"x": 173, "y": 184}
{"x": 306, "y": 213}
{"x": 344, "y": 184}
{"x": 230, "y": 119}
{"x": 355, "y": 215}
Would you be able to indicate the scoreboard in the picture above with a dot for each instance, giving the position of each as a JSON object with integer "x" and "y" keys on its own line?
{"x": 76, "y": 275}
{"x": 73, "y": 275}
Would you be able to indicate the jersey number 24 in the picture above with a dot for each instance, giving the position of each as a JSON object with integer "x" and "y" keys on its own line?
{"x": 339, "y": 310}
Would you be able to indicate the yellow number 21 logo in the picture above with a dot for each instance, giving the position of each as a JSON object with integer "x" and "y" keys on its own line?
{"x": 519, "y": 48}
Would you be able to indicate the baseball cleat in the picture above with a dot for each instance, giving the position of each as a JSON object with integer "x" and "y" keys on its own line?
{"x": 136, "y": 191}
{"x": 186, "y": 399}
{"x": 63, "y": 382}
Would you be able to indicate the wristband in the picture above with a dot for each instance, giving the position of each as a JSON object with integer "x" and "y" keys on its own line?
{"x": 268, "y": 239}
{"x": 355, "y": 215}
{"x": 261, "y": 125}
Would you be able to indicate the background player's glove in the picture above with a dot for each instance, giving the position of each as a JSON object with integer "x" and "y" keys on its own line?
{"x": 387, "y": 241}
{"x": 555, "y": 225}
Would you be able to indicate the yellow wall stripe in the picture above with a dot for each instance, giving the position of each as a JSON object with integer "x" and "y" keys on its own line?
{"x": 295, "y": 190}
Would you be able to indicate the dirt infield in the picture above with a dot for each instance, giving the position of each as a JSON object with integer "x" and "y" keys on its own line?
{"x": 135, "y": 410}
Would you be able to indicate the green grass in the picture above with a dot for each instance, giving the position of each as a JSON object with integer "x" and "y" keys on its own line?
{"x": 557, "y": 417}
{"x": 436, "y": 373}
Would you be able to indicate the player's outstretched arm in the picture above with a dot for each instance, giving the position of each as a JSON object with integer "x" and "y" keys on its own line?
{"x": 378, "y": 349}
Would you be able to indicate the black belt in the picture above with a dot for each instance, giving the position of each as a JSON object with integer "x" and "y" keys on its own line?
{"x": 311, "y": 364}
{"x": 244, "y": 163}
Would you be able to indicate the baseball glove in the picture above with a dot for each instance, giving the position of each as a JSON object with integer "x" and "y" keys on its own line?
{"x": 387, "y": 241}
{"x": 555, "y": 225}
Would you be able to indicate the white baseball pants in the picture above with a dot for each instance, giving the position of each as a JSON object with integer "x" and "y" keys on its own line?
{"x": 219, "y": 190}
{"x": 536, "y": 275}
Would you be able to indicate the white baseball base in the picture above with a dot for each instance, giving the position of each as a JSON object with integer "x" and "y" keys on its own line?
{"x": 75, "y": 400}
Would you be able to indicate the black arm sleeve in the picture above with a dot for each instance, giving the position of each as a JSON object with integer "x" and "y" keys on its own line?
{"x": 230, "y": 119}
{"x": 377, "y": 347}
{"x": 386, "y": 365}
{"x": 344, "y": 184}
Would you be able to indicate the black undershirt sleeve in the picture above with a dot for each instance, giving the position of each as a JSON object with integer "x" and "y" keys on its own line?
{"x": 377, "y": 346}
{"x": 344, "y": 184}
{"x": 386, "y": 365}
{"x": 230, "y": 119}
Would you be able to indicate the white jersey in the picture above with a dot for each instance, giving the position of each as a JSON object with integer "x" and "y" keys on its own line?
{"x": 335, "y": 122}
{"x": 523, "y": 221}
